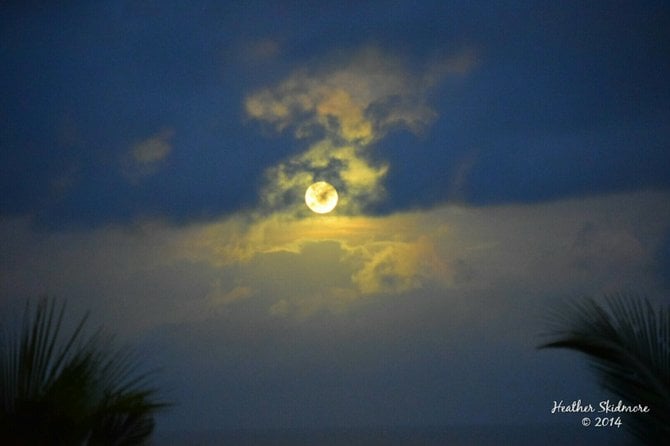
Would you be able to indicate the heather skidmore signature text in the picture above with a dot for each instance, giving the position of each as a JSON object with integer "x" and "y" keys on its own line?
{"x": 605, "y": 406}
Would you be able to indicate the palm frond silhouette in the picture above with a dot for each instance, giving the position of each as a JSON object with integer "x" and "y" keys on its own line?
{"x": 627, "y": 341}
{"x": 74, "y": 389}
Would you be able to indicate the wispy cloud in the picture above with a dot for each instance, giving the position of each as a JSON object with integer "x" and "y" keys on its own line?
{"x": 261, "y": 50}
{"x": 146, "y": 157}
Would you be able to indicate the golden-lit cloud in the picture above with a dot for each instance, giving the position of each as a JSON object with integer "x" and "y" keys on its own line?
{"x": 286, "y": 267}
{"x": 342, "y": 108}
{"x": 282, "y": 260}
{"x": 379, "y": 254}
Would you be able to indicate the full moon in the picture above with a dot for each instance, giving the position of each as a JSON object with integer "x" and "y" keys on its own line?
{"x": 321, "y": 197}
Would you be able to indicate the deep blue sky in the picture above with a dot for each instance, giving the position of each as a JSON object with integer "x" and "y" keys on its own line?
{"x": 492, "y": 159}
{"x": 567, "y": 99}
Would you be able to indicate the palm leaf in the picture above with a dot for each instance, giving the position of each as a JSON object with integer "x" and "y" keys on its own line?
{"x": 628, "y": 343}
{"x": 74, "y": 389}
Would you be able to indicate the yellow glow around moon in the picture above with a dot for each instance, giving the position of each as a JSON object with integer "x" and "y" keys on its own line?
{"x": 321, "y": 197}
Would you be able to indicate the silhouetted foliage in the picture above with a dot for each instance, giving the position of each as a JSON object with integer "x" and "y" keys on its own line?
{"x": 628, "y": 343}
{"x": 74, "y": 389}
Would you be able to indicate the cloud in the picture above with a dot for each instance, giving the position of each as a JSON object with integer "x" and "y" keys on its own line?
{"x": 343, "y": 107}
{"x": 154, "y": 273}
{"x": 448, "y": 301}
{"x": 262, "y": 50}
{"x": 145, "y": 157}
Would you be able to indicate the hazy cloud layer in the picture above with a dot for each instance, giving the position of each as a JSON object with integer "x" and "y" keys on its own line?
{"x": 299, "y": 267}
{"x": 367, "y": 313}
{"x": 386, "y": 319}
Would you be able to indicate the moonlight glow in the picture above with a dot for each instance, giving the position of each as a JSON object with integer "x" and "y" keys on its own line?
{"x": 321, "y": 197}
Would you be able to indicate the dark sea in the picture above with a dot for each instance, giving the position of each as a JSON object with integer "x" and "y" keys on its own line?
{"x": 554, "y": 435}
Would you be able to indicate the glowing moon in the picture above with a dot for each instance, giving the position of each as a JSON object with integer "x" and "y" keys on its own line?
{"x": 321, "y": 197}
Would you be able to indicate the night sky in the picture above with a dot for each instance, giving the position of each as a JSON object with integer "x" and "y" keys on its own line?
{"x": 492, "y": 159}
